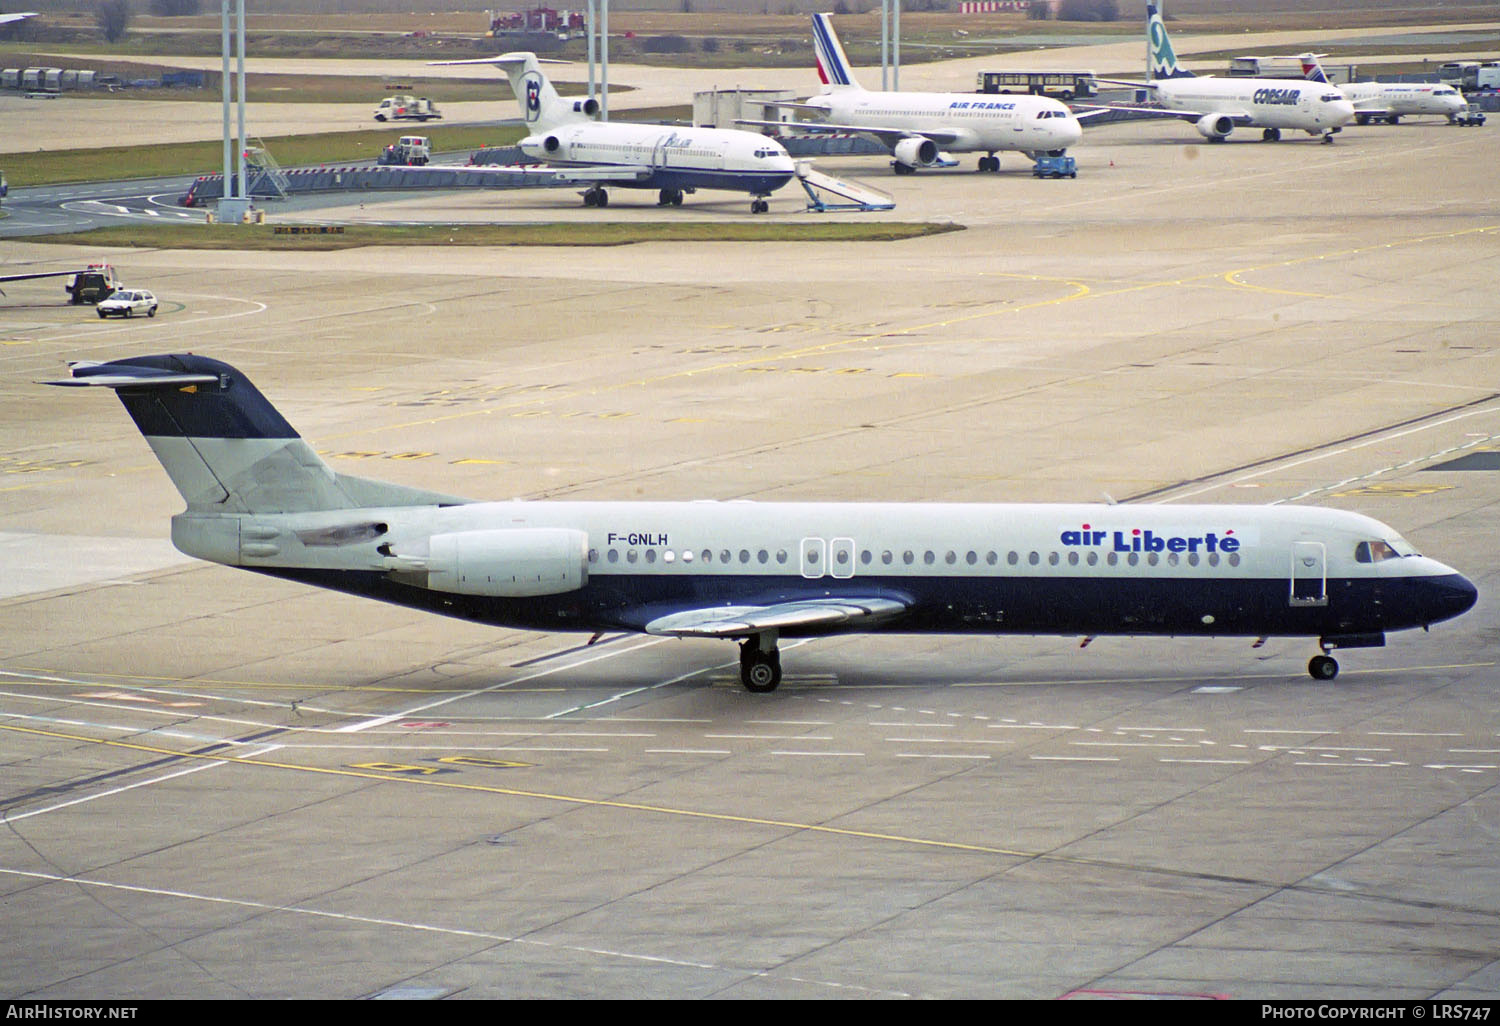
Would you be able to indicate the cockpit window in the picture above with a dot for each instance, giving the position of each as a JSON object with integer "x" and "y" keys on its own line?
{"x": 1379, "y": 551}
{"x": 1331, "y": 97}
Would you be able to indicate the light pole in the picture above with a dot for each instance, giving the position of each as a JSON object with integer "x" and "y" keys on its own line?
{"x": 233, "y": 208}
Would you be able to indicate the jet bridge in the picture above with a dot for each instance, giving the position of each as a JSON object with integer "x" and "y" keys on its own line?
{"x": 848, "y": 195}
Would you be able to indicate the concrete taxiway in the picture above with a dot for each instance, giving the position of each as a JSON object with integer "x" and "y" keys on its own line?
{"x": 218, "y": 784}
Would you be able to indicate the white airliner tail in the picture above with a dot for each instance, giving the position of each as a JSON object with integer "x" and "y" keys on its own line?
{"x": 541, "y": 106}
{"x": 833, "y": 63}
{"x": 1161, "y": 59}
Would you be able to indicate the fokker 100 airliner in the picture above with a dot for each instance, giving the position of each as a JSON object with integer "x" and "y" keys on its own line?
{"x": 260, "y": 498}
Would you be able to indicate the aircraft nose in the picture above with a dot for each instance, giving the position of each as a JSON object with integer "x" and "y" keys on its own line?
{"x": 1342, "y": 111}
{"x": 1070, "y": 131}
{"x": 1452, "y": 595}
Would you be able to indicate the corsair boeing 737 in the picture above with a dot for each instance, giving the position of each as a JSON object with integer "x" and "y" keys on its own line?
{"x": 260, "y": 498}
{"x": 919, "y": 127}
{"x": 1216, "y": 106}
{"x": 673, "y": 161}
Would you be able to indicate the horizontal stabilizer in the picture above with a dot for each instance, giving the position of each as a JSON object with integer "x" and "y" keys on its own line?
{"x": 124, "y": 375}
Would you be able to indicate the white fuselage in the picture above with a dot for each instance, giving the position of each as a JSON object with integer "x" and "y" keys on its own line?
{"x": 1404, "y": 98}
{"x": 1270, "y": 103}
{"x": 699, "y": 157}
{"x": 979, "y": 122}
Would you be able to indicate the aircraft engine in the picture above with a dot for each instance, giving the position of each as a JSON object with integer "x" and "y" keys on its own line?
{"x": 916, "y": 152}
{"x": 551, "y": 144}
{"x": 1215, "y": 126}
{"x": 589, "y": 106}
{"x": 514, "y": 563}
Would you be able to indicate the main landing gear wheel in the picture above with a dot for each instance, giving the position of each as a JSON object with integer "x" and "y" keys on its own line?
{"x": 1323, "y": 667}
{"x": 903, "y": 169}
{"x": 669, "y": 198}
{"x": 1271, "y": 135}
{"x": 990, "y": 163}
{"x": 759, "y": 206}
{"x": 760, "y": 671}
{"x": 596, "y": 197}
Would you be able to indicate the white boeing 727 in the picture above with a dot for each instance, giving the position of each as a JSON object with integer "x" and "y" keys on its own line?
{"x": 674, "y": 161}
{"x": 920, "y": 129}
{"x": 260, "y": 498}
{"x": 1217, "y": 106}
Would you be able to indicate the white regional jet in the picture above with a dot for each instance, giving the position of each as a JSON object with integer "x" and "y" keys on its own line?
{"x": 260, "y": 498}
{"x": 1217, "y": 106}
{"x": 1391, "y": 100}
{"x": 673, "y": 161}
{"x": 919, "y": 127}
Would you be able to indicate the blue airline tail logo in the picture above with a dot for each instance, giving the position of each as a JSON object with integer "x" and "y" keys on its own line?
{"x": 1312, "y": 70}
{"x": 533, "y": 96}
{"x": 1162, "y": 57}
{"x": 833, "y": 65}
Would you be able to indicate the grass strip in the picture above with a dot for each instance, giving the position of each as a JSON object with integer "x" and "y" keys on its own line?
{"x": 114, "y": 163}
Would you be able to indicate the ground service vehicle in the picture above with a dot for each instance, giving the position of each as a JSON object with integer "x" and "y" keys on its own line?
{"x": 1471, "y": 116}
{"x": 408, "y": 151}
{"x": 1055, "y": 167}
{"x": 95, "y": 283}
{"x": 407, "y": 108}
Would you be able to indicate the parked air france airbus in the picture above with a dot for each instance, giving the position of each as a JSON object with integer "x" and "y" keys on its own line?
{"x": 674, "y": 161}
{"x": 259, "y": 497}
{"x": 1216, "y": 106}
{"x": 917, "y": 127}
{"x": 1391, "y": 101}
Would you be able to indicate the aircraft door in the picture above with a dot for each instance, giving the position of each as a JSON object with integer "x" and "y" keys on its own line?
{"x": 814, "y": 558}
{"x": 1309, "y": 581}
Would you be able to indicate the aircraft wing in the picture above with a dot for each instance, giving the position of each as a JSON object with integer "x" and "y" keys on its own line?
{"x": 38, "y": 274}
{"x": 888, "y": 136}
{"x": 1239, "y": 117}
{"x": 620, "y": 173}
{"x": 542, "y": 172}
{"x": 825, "y": 615}
{"x": 6, "y": 19}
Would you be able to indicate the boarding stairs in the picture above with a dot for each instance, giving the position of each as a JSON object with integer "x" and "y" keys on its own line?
{"x": 854, "y": 195}
{"x": 265, "y": 176}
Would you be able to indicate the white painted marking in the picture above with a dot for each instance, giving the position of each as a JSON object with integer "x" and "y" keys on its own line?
{"x": 941, "y": 741}
{"x": 1210, "y": 762}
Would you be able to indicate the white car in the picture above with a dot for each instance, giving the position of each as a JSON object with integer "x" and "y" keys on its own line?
{"x": 128, "y": 303}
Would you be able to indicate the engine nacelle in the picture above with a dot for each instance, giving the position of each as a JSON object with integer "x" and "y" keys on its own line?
{"x": 1215, "y": 126}
{"x": 515, "y": 563}
{"x": 552, "y": 144}
{"x": 916, "y": 152}
{"x": 589, "y": 107}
